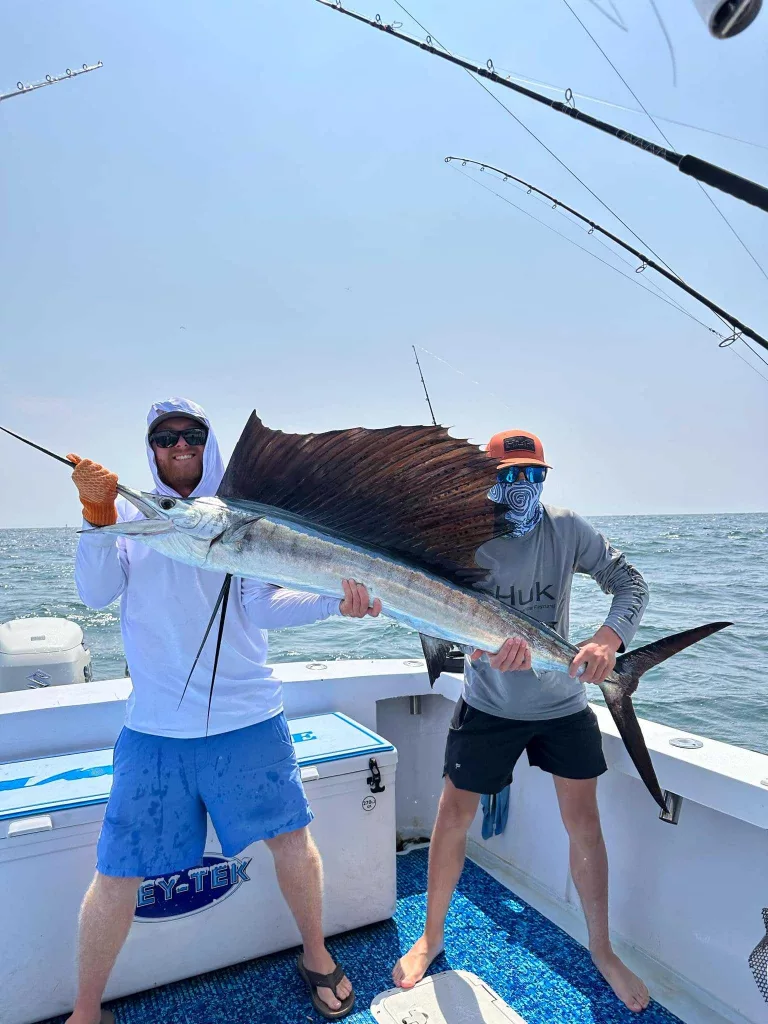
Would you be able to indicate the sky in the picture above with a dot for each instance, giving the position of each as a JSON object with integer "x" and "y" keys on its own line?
{"x": 248, "y": 205}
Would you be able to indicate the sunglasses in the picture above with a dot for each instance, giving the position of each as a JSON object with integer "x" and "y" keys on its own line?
{"x": 533, "y": 474}
{"x": 194, "y": 436}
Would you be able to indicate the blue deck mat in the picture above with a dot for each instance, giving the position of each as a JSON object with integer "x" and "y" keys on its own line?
{"x": 535, "y": 966}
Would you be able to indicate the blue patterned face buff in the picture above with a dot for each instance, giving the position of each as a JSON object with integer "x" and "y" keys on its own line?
{"x": 524, "y": 502}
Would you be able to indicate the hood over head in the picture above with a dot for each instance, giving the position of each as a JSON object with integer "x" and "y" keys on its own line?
{"x": 213, "y": 464}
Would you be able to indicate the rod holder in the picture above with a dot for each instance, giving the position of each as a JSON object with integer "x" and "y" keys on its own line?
{"x": 673, "y": 805}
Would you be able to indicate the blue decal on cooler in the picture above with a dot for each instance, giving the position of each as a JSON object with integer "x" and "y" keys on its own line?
{"x": 190, "y": 891}
{"x": 15, "y": 783}
{"x": 301, "y": 737}
{"x": 74, "y": 775}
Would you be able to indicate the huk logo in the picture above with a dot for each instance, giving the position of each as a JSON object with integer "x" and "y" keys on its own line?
{"x": 519, "y": 599}
{"x": 190, "y": 891}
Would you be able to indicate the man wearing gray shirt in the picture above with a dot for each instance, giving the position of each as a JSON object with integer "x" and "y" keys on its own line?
{"x": 505, "y": 708}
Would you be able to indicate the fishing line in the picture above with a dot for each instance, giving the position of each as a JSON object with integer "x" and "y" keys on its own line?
{"x": 741, "y": 357}
{"x": 551, "y": 152}
{"x": 725, "y": 341}
{"x": 21, "y": 88}
{"x": 661, "y": 133}
{"x": 617, "y": 270}
{"x": 635, "y": 280}
{"x": 466, "y": 376}
{"x": 617, "y": 255}
{"x": 730, "y": 320}
{"x": 560, "y": 90}
{"x": 755, "y": 352}
{"x": 721, "y": 178}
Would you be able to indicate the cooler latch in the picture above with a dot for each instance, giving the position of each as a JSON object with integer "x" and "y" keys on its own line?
{"x": 374, "y": 779}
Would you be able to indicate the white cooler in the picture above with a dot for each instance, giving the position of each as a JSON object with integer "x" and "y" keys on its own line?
{"x": 223, "y": 912}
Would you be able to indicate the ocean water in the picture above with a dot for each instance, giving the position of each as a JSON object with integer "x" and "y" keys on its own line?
{"x": 699, "y": 568}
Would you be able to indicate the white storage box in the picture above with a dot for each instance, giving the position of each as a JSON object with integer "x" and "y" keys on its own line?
{"x": 35, "y": 653}
{"x": 224, "y": 912}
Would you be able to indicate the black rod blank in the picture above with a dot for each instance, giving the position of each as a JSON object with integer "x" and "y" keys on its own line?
{"x": 718, "y": 177}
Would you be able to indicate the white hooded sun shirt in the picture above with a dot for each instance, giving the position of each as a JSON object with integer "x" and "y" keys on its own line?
{"x": 164, "y": 610}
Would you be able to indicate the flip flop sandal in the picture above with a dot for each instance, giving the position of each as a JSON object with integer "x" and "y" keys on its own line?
{"x": 315, "y": 981}
{"x": 107, "y": 1017}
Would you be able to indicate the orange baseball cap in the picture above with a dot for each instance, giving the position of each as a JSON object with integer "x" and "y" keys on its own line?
{"x": 516, "y": 448}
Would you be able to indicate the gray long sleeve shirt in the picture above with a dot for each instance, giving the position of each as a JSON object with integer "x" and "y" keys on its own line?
{"x": 533, "y": 573}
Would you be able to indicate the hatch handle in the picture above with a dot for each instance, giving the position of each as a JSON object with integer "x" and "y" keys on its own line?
{"x": 374, "y": 779}
{"x": 25, "y": 826}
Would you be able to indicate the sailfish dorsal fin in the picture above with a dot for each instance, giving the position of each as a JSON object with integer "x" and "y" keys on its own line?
{"x": 412, "y": 491}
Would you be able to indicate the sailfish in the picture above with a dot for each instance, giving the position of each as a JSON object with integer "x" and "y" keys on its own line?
{"x": 401, "y": 509}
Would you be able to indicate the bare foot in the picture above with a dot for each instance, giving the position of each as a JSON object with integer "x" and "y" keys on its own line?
{"x": 412, "y": 967}
{"x": 325, "y": 964}
{"x": 99, "y": 1017}
{"x": 627, "y": 986}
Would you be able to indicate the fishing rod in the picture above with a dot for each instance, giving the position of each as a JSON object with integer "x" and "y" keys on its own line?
{"x": 424, "y": 385}
{"x": 21, "y": 88}
{"x": 701, "y": 170}
{"x": 45, "y": 451}
{"x": 737, "y": 326}
{"x": 125, "y": 491}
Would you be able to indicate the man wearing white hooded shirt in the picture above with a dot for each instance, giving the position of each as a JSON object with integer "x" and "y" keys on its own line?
{"x": 155, "y": 826}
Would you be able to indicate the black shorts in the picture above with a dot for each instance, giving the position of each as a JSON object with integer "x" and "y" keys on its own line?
{"x": 482, "y": 749}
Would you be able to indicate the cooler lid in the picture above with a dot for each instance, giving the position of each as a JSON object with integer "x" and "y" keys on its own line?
{"x": 64, "y": 781}
{"x": 57, "y": 783}
{"x": 39, "y": 636}
{"x": 334, "y": 737}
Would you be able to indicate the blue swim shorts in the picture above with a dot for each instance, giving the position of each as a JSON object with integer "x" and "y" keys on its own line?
{"x": 163, "y": 788}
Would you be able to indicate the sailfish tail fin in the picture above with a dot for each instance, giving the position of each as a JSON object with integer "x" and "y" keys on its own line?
{"x": 630, "y": 667}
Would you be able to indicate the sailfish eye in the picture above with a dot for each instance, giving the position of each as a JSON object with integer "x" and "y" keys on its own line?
{"x": 167, "y": 503}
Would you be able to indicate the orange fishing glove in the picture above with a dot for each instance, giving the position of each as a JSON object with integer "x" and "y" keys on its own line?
{"x": 98, "y": 491}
